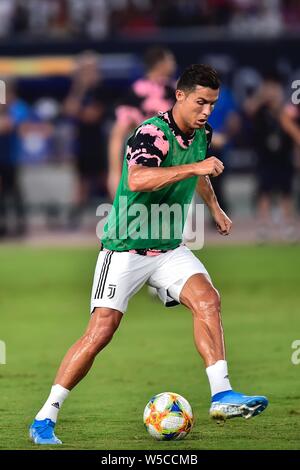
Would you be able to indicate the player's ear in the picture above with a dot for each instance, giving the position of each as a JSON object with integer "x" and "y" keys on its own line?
{"x": 180, "y": 95}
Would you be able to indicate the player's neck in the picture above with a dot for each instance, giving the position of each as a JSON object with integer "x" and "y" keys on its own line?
{"x": 180, "y": 122}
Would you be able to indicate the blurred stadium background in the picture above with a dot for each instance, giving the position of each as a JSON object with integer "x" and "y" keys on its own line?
{"x": 41, "y": 50}
{"x": 46, "y": 199}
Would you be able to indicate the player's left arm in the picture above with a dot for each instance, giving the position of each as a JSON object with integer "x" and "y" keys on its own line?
{"x": 206, "y": 192}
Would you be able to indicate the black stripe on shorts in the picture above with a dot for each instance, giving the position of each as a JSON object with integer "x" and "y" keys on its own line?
{"x": 103, "y": 275}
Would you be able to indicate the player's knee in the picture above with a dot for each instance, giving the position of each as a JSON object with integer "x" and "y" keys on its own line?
{"x": 207, "y": 302}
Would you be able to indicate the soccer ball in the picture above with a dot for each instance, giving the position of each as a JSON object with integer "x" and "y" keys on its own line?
{"x": 168, "y": 416}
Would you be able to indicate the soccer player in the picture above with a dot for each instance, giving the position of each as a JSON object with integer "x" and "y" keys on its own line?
{"x": 164, "y": 163}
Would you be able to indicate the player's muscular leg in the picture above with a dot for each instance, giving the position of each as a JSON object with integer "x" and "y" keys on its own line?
{"x": 200, "y": 296}
{"x": 80, "y": 357}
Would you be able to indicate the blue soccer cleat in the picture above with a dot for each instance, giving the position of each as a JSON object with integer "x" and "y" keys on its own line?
{"x": 230, "y": 404}
{"x": 42, "y": 432}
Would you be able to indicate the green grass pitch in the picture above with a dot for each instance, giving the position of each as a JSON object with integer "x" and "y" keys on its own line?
{"x": 44, "y": 307}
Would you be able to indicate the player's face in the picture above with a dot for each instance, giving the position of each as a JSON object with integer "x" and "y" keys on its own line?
{"x": 167, "y": 66}
{"x": 196, "y": 106}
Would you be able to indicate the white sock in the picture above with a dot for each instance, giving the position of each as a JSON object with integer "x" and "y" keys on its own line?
{"x": 218, "y": 377}
{"x": 53, "y": 404}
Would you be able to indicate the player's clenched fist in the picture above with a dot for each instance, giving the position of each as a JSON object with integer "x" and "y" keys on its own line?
{"x": 210, "y": 166}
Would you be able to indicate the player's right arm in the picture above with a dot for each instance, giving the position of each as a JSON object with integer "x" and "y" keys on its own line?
{"x": 142, "y": 178}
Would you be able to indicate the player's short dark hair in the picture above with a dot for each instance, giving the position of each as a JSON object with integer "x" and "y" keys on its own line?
{"x": 154, "y": 55}
{"x": 198, "y": 74}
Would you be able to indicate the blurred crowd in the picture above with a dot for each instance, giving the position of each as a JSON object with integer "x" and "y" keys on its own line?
{"x": 105, "y": 18}
{"x": 89, "y": 130}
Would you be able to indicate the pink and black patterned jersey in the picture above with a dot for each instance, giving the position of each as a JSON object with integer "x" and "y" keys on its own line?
{"x": 148, "y": 146}
{"x": 145, "y": 99}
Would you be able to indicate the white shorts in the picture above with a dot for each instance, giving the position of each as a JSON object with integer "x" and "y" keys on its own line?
{"x": 119, "y": 275}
